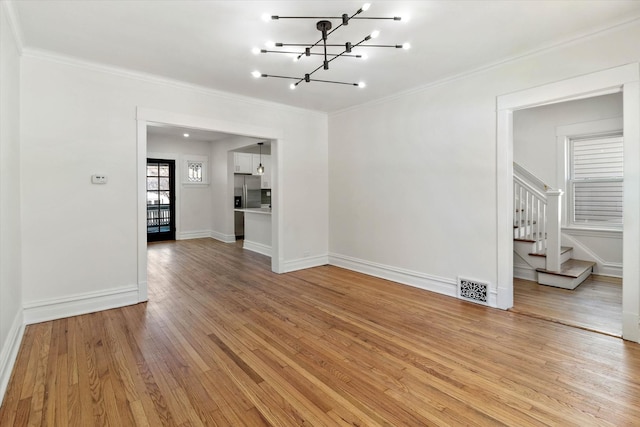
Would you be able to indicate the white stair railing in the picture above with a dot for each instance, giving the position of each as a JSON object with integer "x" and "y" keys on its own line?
{"x": 537, "y": 214}
{"x": 530, "y": 217}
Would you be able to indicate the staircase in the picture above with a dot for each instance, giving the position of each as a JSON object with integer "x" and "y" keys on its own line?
{"x": 537, "y": 235}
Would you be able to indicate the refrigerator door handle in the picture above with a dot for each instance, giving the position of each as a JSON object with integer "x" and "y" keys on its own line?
{"x": 244, "y": 196}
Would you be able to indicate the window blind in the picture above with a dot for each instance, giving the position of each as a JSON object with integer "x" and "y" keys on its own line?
{"x": 596, "y": 179}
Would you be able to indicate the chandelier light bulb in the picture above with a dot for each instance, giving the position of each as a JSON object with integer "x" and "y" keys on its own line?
{"x": 270, "y": 44}
{"x": 266, "y": 17}
{"x": 366, "y": 7}
{"x": 292, "y": 86}
{"x": 406, "y": 46}
{"x": 375, "y": 34}
{"x": 255, "y": 50}
{"x": 362, "y": 85}
{"x": 256, "y": 74}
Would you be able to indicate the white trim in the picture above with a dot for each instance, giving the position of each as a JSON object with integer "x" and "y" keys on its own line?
{"x": 631, "y": 205}
{"x": 612, "y": 269}
{"x": 525, "y": 272}
{"x": 602, "y": 267}
{"x": 43, "y": 54}
{"x": 74, "y": 305}
{"x": 14, "y": 25}
{"x": 9, "y": 353}
{"x": 225, "y": 238}
{"x": 593, "y": 232}
{"x": 141, "y": 223}
{"x": 487, "y": 67}
{"x": 146, "y": 115}
{"x": 188, "y": 235}
{"x": 307, "y": 262}
{"x": 611, "y": 80}
{"x": 416, "y": 279}
{"x": 257, "y": 247}
{"x": 585, "y": 86}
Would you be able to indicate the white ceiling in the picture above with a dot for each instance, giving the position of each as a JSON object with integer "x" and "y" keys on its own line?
{"x": 208, "y": 43}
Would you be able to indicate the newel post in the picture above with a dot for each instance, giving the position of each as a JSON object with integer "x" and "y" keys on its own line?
{"x": 554, "y": 198}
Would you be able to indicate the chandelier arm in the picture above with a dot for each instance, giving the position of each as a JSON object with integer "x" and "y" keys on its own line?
{"x": 302, "y": 53}
{"x": 280, "y": 77}
{"x": 335, "y": 82}
{"x": 393, "y": 18}
{"x": 334, "y": 45}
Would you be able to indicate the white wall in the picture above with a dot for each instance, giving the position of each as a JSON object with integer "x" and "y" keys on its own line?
{"x": 535, "y": 147}
{"x": 194, "y": 201}
{"x": 413, "y": 178}
{"x": 534, "y": 131}
{"x": 222, "y": 165}
{"x": 78, "y": 120}
{"x": 10, "y": 253}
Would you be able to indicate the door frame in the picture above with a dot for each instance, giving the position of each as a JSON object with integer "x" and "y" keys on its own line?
{"x": 146, "y": 116}
{"x": 625, "y": 78}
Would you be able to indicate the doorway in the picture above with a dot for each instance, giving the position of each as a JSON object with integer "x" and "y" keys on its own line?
{"x": 161, "y": 200}
{"x": 625, "y": 78}
{"x": 146, "y": 117}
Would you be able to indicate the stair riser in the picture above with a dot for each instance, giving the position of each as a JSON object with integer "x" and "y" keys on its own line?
{"x": 562, "y": 281}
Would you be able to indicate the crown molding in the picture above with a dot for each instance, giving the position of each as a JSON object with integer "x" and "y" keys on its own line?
{"x": 72, "y": 61}
{"x": 14, "y": 24}
{"x": 557, "y": 45}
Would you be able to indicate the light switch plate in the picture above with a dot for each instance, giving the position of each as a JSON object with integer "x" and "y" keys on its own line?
{"x": 98, "y": 179}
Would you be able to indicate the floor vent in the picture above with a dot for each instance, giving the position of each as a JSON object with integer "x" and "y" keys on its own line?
{"x": 474, "y": 291}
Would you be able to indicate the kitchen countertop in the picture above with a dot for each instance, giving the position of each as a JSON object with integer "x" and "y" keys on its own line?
{"x": 264, "y": 211}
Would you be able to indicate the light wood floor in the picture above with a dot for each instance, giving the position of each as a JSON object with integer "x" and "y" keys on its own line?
{"x": 595, "y": 305}
{"x": 223, "y": 341}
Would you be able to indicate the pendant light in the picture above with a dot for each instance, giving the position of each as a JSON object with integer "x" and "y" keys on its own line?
{"x": 260, "y": 169}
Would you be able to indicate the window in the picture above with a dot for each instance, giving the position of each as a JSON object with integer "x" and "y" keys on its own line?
{"x": 195, "y": 170}
{"x": 595, "y": 181}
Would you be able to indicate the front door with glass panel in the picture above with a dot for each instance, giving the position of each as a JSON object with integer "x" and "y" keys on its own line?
{"x": 161, "y": 200}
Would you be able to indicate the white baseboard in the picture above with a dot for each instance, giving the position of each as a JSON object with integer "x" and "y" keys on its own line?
{"x": 525, "y": 272}
{"x": 225, "y": 238}
{"x": 416, "y": 279}
{"x": 9, "y": 352}
{"x": 611, "y": 269}
{"x": 74, "y": 305}
{"x": 631, "y": 327}
{"x": 187, "y": 235}
{"x": 307, "y": 262}
{"x": 256, "y": 247}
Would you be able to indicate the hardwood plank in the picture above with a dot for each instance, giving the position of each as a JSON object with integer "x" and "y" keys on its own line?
{"x": 595, "y": 305}
{"x": 225, "y": 342}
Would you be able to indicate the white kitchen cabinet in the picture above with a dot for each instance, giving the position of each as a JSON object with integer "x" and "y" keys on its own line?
{"x": 243, "y": 162}
{"x": 266, "y": 163}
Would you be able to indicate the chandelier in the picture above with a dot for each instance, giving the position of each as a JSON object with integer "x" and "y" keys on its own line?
{"x": 329, "y": 52}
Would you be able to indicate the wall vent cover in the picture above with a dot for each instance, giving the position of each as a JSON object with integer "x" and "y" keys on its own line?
{"x": 474, "y": 291}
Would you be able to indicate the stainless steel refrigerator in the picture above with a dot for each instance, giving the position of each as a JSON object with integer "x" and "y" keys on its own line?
{"x": 247, "y": 194}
